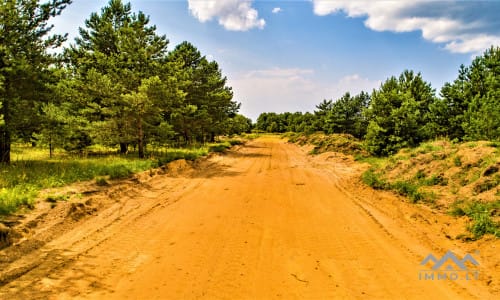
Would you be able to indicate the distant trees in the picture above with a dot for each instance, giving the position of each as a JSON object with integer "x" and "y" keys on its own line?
{"x": 285, "y": 122}
{"x": 404, "y": 110}
{"x": 238, "y": 124}
{"x": 346, "y": 115}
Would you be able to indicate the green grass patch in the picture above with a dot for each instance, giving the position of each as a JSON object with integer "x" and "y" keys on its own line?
{"x": 373, "y": 180}
{"x": 56, "y": 198}
{"x": 31, "y": 170}
{"x": 219, "y": 147}
{"x": 234, "y": 142}
{"x": 481, "y": 215}
{"x": 409, "y": 190}
{"x": 13, "y": 198}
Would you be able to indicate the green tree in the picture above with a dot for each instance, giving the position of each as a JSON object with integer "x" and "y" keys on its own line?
{"x": 202, "y": 113}
{"x": 115, "y": 51}
{"x": 24, "y": 63}
{"x": 399, "y": 114}
{"x": 346, "y": 115}
{"x": 469, "y": 108}
{"x": 482, "y": 118}
{"x": 238, "y": 124}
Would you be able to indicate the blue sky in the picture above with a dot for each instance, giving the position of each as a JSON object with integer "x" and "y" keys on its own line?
{"x": 290, "y": 55}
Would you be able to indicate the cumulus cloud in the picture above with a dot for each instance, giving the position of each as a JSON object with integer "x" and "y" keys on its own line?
{"x": 291, "y": 89}
{"x": 235, "y": 15}
{"x": 463, "y": 27}
{"x": 276, "y": 10}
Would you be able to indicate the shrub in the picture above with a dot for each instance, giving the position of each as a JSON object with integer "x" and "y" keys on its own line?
{"x": 219, "y": 147}
{"x": 373, "y": 180}
{"x": 407, "y": 189}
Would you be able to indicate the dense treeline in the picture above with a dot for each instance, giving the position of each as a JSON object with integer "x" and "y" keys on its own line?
{"x": 404, "y": 110}
{"x": 118, "y": 85}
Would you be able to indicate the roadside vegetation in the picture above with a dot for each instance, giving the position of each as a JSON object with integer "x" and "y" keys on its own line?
{"x": 439, "y": 150}
{"x": 33, "y": 169}
{"x": 458, "y": 178}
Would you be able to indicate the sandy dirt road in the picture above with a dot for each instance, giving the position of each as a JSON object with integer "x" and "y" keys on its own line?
{"x": 262, "y": 222}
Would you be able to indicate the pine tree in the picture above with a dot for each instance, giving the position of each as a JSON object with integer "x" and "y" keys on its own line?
{"x": 399, "y": 114}
{"x": 24, "y": 63}
{"x": 114, "y": 53}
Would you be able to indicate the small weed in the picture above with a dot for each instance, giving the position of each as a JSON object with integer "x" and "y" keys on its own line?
{"x": 101, "y": 181}
{"x": 420, "y": 175}
{"x": 457, "y": 161}
{"x": 482, "y": 225}
{"x": 314, "y": 151}
{"x": 56, "y": 198}
{"x": 373, "y": 180}
{"x": 435, "y": 180}
{"x": 408, "y": 189}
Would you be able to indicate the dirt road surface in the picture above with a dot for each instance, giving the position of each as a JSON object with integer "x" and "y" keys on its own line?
{"x": 265, "y": 221}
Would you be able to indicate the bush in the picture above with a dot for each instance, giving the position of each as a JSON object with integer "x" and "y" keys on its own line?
{"x": 407, "y": 189}
{"x": 219, "y": 147}
{"x": 373, "y": 180}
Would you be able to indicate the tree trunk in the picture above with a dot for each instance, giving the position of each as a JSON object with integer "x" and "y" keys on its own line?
{"x": 123, "y": 148}
{"x": 140, "y": 140}
{"x": 50, "y": 146}
{"x": 5, "y": 136}
{"x": 4, "y": 146}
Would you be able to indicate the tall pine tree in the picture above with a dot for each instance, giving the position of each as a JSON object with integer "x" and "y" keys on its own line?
{"x": 24, "y": 63}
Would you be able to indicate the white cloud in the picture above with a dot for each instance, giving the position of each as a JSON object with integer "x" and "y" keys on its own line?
{"x": 437, "y": 25}
{"x": 290, "y": 89}
{"x": 276, "y": 10}
{"x": 235, "y": 15}
{"x": 353, "y": 84}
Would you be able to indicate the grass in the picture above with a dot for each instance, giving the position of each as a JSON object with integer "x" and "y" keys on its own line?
{"x": 402, "y": 187}
{"x": 481, "y": 214}
{"x": 220, "y": 147}
{"x": 373, "y": 180}
{"x": 31, "y": 170}
{"x": 12, "y": 198}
